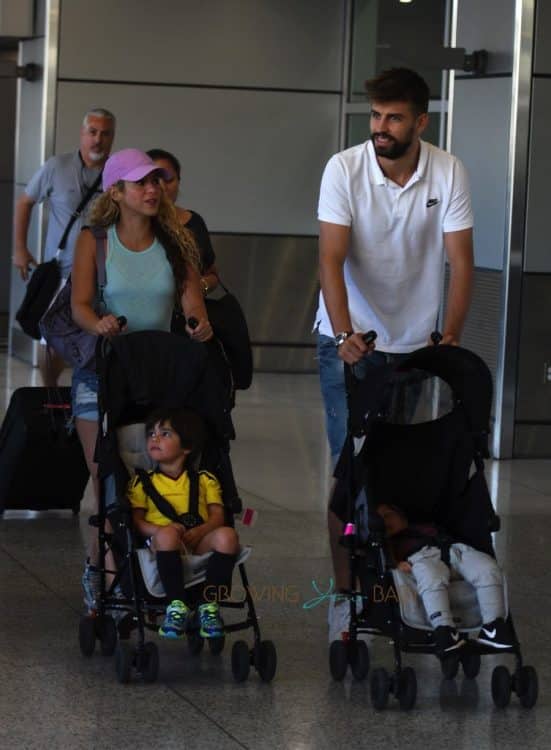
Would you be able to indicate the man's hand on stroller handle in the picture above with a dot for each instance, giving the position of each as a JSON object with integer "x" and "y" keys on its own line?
{"x": 199, "y": 330}
{"x": 355, "y": 346}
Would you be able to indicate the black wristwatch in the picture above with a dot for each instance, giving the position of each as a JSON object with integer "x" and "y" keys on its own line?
{"x": 341, "y": 337}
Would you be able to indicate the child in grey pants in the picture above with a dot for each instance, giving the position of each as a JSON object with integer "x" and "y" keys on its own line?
{"x": 414, "y": 549}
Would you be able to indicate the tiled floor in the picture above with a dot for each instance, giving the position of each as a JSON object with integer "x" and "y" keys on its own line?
{"x": 51, "y": 697}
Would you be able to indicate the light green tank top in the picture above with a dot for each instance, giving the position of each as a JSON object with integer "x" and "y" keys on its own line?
{"x": 139, "y": 285}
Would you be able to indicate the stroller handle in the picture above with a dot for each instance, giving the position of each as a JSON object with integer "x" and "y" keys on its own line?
{"x": 369, "y": 337}
{"x": 350, "y": 374}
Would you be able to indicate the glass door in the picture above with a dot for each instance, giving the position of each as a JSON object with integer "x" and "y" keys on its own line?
{"x": 385, "y": 34}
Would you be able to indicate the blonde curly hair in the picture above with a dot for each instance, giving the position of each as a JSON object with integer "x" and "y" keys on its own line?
{"x": 178, "y": 242}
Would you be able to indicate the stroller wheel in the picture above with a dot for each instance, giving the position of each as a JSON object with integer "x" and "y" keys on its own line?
{"x": 149, "y": 662}
{"x": 379, "y": 687}
{"x": 216, "y": 645}
{"x": 87, "y": 635}
{"x": 125, "y": 626}
{"x": 265, "y": 660}
{"x": 358, "y": 656}
{"x": 527, "y": 686}
{"x": 240, "y": 661}
{"x": 338, "y": 660}
{"x": 195, "y": 643}
{"x": 450, "y": 667}
{"x": 407, "y": 688}
{"x": 501, "y": 686}
{"x": 107, "y": 635}
{"x": 470, "y": 661}
{"x": 124, "y": 658}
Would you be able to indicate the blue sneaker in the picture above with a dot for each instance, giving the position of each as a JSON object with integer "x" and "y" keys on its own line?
{"x": 210, "y": 622}
{"x": 174, "y": 624}
{"x": 91, "y": 586}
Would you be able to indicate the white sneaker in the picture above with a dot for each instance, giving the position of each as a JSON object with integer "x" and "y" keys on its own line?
{"x": 338, "y": 618}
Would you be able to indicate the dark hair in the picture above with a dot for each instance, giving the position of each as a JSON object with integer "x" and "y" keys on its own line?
{"x": 186, "y": 424}
{"x": 395, "y": 508}
{"x": 159, "y": 153}
{"x": 402, "y": 85}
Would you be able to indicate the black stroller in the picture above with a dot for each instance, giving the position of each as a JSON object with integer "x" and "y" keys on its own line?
{"x": 137, "y": 373}
{"x": 425, "y": 456}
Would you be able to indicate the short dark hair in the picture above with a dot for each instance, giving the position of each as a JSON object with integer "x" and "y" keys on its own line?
{"x": 159, "y": 153}
{"x": 401, "y": 85}
{"x": 187, "y": 424}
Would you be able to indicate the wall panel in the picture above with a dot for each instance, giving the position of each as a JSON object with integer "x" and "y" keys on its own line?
{"x": 488, "y": 25}
{"x": 29, "y": 115}
{"x": 273, "y": 43}
{"x": 542, "y": 49}
{"x": 276, "y": 281}
{"x": 537, "y": 257}
{"x": 483, "y": 148}
{"x": 252, "y": 160}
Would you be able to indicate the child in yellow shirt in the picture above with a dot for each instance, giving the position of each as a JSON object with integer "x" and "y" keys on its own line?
{"x": 171, "y": 437}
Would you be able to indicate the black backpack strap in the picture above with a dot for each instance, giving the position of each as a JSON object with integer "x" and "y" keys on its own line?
{"x": 77, "y": 212}
{"x": 193, "y": 492}
{"x": 101, "y": 241}
{"x": 189, "y": 519}
{"x": 163, "y": 506}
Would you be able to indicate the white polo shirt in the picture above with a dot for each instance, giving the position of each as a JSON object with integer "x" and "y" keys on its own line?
{"x": 394, "y": 266}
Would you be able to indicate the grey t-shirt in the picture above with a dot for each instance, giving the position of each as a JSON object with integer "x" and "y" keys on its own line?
{"x": 62, "y": 181}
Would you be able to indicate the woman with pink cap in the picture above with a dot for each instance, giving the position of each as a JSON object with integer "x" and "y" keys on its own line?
{"x": 151, "y": 261}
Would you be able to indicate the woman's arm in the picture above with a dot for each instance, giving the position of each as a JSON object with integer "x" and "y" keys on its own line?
{"x": 193, "y": 306}
{"x": 83, "y": 289}
{"x": 209, "y": 279}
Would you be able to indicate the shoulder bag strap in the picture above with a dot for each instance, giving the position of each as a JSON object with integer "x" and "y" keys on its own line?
{"x": 193, "y": 492}
{"x": 101, "y": 239}
{"x": 162, "y": 505}
{"x": 74, "y": 216}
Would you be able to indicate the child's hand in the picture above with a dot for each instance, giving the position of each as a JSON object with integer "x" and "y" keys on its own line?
{"x": 180, "y": 528}
{"x": 192, "y": 537}
{"x": 404, "y": 566}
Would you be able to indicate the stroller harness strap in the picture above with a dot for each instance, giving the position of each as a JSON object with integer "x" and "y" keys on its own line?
{"x": 189, "y": 519}
{"x": 423, "y": 539}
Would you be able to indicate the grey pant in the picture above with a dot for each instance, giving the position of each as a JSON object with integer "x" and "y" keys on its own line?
{"x": 432, "y": 577}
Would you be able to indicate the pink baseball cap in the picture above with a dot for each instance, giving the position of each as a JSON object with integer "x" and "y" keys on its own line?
{"x": 129, "y": 164}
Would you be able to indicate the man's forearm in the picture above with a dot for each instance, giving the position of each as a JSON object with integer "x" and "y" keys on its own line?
{"x": 459, "y": 298}
{"x": 335, "y": 296}
{"x": 22, "y": 220}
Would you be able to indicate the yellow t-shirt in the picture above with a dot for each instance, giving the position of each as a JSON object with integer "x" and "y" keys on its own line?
{"x": 176, "y": 491}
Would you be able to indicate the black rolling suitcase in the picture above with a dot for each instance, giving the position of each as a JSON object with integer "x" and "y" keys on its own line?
{"x": 42, "y": 465}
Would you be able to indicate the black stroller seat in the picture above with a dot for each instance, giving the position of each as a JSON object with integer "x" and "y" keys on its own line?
{"x": 417, "y": 439}
{"x": 139, "y": 373}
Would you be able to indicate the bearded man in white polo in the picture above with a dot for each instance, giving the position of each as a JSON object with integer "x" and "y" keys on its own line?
{"x": 390, "y": 210}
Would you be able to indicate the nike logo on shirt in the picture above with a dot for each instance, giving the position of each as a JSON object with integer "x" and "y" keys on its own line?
{"x": 432, "y": 202}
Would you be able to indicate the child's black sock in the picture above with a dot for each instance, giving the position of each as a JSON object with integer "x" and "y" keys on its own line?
{"x": 171, "y": 574}
{"x": 219, "y": 577}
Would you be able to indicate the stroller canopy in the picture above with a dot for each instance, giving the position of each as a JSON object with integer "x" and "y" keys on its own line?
{"x": 423, "y": 467}
{"x": 465, "y": 372}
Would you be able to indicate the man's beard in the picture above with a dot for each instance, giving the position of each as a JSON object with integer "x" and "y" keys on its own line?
{"x": 394, "y": 149}
{"x": 96, "y": 155}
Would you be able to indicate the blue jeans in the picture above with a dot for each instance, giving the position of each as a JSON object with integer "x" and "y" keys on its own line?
{"x": 84, "y": 395}
{"x": 333, "y": 391}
